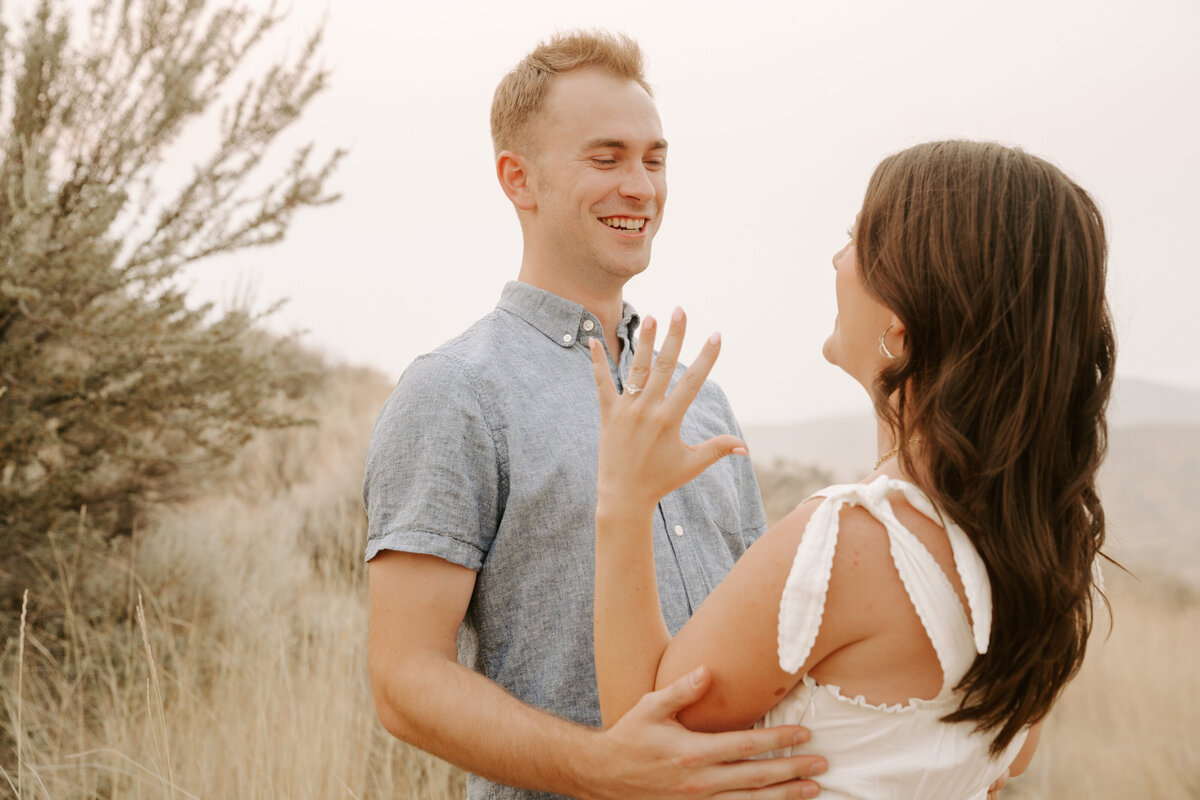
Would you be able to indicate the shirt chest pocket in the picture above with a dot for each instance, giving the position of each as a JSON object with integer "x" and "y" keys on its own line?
{"x": 718, "y": 494}
{"x": 725, "y": 494}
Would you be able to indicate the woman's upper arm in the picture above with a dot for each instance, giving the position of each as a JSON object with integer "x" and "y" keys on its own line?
{"x": 735, "y": 633}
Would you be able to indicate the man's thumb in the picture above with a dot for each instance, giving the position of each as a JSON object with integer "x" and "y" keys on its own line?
{"x": 684, "y": 691}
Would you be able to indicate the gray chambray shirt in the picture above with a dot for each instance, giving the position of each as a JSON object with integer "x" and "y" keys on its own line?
{"x": 485, "y": 455}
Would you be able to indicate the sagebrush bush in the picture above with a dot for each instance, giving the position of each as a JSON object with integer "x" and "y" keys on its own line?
{"x": 785, "y": 484}
{"x": 114, "y": 390}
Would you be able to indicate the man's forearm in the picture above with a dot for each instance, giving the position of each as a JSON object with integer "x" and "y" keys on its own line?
{"x": 462, "y": 717}
{"x": 426, "y": 698}
{"x": 471, "y": 722}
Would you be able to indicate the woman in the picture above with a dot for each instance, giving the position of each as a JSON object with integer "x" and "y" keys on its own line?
{"x": 923, "y": 622}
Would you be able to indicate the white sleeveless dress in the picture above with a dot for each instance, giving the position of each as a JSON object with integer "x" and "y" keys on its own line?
{"x": 902, "y": 750}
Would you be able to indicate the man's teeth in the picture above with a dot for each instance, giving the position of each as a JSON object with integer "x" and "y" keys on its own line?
{"x": 629, "y": 223}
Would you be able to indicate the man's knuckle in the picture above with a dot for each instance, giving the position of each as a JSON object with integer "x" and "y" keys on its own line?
{"x": 761, "y": 776}
{"x": 747, "y": 747}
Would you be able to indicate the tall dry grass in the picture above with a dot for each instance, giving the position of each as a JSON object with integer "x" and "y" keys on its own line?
{"x": 238, "y": 670}
{"x": 1129, "y": 724}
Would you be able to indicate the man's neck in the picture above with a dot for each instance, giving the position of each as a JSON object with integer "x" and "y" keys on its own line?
{"x": 607, "y": 304}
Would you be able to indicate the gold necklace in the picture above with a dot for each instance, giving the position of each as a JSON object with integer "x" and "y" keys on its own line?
{"x": 896, "y": 449}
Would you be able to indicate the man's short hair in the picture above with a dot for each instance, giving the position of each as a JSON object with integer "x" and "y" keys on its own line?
{"x": 522, "y": 93}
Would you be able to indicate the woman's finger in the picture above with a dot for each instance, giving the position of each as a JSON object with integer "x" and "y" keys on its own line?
{"x": 705, "y": 454}
{"x": 604, "y": 382}
{"x": 639, "y": 370}
{"x": 689, "y": 385}
{"x": 664, "y": 363}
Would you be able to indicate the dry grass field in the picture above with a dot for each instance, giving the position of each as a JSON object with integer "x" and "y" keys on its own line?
{"x": 238, "y": 667}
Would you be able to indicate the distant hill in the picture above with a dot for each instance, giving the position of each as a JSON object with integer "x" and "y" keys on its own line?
{"x": 843, "y": 445}
{"x": 1149, "y": 485}
{"x": 1139, "y": 402}
{"x": 1150, "y": 482}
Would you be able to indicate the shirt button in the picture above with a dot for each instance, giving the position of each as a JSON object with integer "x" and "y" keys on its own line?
{"x": 588, "y": 325}
{"x": 567, "y": 338}
{"x": 679, "y": 530}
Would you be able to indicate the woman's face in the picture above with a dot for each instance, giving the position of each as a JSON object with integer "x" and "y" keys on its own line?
{"x": 854, "y": 343}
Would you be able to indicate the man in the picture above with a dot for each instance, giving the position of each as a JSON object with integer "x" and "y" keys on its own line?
{"x": 480, "y": 482}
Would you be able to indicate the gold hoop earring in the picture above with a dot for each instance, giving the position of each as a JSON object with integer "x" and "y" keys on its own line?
{"x": 883, "y": 348}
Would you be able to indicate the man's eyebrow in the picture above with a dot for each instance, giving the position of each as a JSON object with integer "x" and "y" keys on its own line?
{"x": 618, "y": 144}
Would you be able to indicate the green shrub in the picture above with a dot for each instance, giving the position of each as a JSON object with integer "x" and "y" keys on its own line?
{"x": 114, "y": 391}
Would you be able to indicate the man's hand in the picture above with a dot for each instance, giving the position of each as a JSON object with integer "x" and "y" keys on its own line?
{"x": 648, "y": 754}
{"x": 997, "y": 785}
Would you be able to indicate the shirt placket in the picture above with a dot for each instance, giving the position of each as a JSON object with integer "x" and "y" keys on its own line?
{"x": 681, "y": 530}
{"x": 673, "y": 523}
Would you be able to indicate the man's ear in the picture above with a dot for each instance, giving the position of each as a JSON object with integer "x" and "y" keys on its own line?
{"x": 512, "y": 170}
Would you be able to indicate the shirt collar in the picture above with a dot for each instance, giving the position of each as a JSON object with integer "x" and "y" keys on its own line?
{"x": 560, "y": 320}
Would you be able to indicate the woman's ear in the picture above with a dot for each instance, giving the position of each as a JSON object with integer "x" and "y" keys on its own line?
{"x": 512, "y": 170}
{"x": 893, "y": 340}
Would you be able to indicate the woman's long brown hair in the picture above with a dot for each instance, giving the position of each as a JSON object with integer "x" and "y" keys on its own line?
{"x": 995, "y": 262}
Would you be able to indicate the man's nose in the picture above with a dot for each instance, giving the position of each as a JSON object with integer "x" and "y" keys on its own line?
{"x": 636, "y": 183}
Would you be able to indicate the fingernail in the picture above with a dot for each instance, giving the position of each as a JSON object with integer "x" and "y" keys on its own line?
{"x": 715, "y": 338}
{"x": 591, "y": 344}
{"x": 819, "y": 767}
{"x": 741, "y": 451}
{"x": 677, "y": 314}
{"x": 697, "y": 673}
{"x": 809, "y": 791}
{"x": 648, "y": 323}
{"x": 800, "y": 737}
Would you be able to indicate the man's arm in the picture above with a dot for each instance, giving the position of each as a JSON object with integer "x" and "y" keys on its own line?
{"x": 1021, "y": 762}
{"x": 424, "y": 697}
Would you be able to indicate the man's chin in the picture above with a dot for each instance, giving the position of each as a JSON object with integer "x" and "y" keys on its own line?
{"x": 629, "y": 268}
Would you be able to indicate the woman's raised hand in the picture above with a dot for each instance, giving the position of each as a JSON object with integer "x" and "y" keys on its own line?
{"x": 642, "y": 453}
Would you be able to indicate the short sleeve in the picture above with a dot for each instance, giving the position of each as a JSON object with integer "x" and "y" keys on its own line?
{"x": 433, "y": 480}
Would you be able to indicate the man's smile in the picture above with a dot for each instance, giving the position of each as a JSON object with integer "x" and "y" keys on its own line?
{"x": 634, "y": 224}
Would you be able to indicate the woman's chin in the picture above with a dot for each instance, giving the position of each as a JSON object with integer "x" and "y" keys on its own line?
{"x": 827, "y": 351}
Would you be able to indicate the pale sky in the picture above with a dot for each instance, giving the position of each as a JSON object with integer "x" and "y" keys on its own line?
{"x": 776, "y": 115}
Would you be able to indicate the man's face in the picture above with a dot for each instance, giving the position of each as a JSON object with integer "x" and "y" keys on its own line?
{"x": 598, "y": 175}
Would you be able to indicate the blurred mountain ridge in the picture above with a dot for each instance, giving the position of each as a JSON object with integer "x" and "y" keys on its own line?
{"x": 1148, "y": 483}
